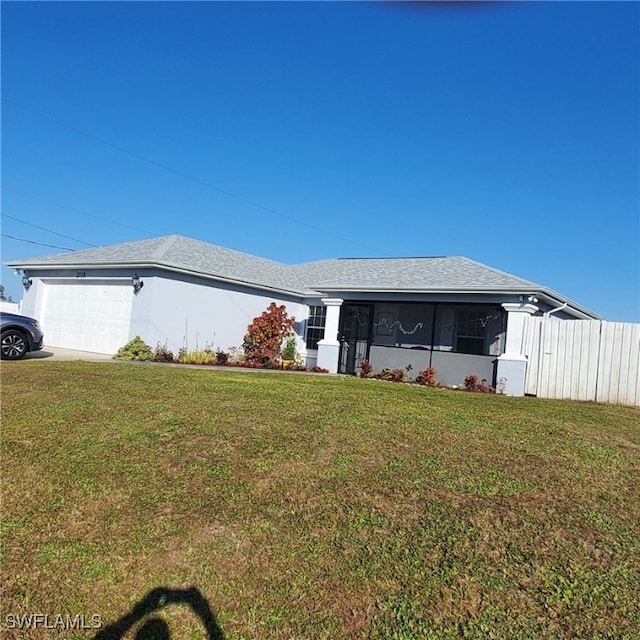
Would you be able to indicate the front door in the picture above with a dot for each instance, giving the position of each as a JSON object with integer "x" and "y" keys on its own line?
{"x": 354, "y": 334}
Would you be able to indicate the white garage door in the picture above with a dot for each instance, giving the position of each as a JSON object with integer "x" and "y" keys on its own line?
{"x": 87, "y": 316}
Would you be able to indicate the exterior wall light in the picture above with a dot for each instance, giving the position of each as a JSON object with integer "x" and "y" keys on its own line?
{"x": 26, "y": 281}
{"x": 136, "y": 283}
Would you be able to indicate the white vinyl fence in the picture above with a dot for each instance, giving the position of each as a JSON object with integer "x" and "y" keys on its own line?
{"x": 10, "y": 307}
{"x": 583, "y": 360}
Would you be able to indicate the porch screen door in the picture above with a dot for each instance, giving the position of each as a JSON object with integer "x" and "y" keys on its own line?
{"x": 354, "y": 333}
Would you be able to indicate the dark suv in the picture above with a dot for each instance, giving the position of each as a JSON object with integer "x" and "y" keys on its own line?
{"x": 19, "y": 336}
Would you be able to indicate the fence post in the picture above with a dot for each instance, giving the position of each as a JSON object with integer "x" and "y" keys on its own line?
{"x": 512, "y": 364}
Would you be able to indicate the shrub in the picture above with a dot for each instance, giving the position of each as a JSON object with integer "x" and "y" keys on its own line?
{"x": 318, "y": 369}
{"x": 265, "y": 335}
{"x": 366, "y": 370}
{"x": 202, "y": 356}
{"x": 249, "y": 364}
{"x": 290, "y": 352}
{"x": 292, "y": 365}
{"x": 136, "y": 349}
{"x": 162, "y": 354}
{"x": 395, "y": 375}
{"x": 483, "y": 387}
{"x": 222, "y": 357}
{"x": 428, "y": 378}
{"x": 472, "y": 384}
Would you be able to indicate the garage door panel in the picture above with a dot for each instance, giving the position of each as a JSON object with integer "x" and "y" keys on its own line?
{"x": 87, "y": 316}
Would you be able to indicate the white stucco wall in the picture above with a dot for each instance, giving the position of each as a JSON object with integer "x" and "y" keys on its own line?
{"x": 194, "y": 313}
{"x": 177, "y": 309}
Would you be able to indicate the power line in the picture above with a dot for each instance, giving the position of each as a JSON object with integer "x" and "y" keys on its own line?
{"x": 55, "y": 233}
{"x": 80, "y": 211}
{"x": 42, "y": 244}
{"x": 189, "y": 177}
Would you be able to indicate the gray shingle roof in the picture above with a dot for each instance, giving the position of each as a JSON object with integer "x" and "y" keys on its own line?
{"x": 442, "y": 273}
{"x": 185, "y": 254}
{"x": 436, "y": 274}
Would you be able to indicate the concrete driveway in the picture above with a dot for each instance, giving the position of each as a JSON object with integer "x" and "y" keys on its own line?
{"x": 53, "y": 354}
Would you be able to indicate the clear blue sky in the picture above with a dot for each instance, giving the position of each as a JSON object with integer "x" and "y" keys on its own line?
{"x": 505, "y": 132}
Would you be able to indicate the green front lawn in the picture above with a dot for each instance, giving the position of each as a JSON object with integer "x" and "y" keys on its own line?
{"x": 315, "y": 506}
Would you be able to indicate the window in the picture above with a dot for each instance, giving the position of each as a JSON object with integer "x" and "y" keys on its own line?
{"x": 470, "y": 332}
{"x": 315, "y": 325}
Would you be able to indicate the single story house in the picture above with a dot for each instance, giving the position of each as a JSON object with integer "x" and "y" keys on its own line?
{"x": 450, "y": 313}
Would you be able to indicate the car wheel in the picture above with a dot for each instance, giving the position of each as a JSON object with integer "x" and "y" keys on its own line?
{"x": 13, "y": 345}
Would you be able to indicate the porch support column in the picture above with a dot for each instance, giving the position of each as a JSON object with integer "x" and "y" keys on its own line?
{"x": 512, "y": 364}
{"x": 329, "y": 347}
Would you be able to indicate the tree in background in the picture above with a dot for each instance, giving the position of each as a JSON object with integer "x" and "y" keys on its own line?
{"x": 265, "y": 336}
{"x": 3, "y": 296}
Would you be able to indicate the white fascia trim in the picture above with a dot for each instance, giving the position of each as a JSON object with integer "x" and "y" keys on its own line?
{"x": 162, "y": 267}
{"x": 433, "y": 290}
{"x": 548, "y": 295}
{"x": 555, "y": 300}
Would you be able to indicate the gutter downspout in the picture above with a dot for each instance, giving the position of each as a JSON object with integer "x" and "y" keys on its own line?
{"x": 546, "y": 314}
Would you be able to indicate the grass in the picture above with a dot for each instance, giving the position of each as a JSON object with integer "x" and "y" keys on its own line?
{"x": 315, "y": 507}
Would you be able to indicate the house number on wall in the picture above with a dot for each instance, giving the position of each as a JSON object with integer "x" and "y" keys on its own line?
{"x": 81, "y": 274}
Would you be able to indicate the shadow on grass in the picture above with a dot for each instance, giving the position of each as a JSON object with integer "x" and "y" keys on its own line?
{"x": 155, "y": 628}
